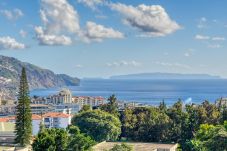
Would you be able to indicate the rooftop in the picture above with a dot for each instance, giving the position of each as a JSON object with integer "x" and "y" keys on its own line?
{"x": 8, "y": 118}
{"x": 56, "y": 114}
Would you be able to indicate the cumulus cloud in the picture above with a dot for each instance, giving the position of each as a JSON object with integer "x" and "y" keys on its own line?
{"x": 95, "y": 32}
{"x": 10, "y": 43}
{"x": 174, "y": 65}
{"x": 124, "y": 63}
{"x": 58, "y": 17}
{"x": 12, "y": 14}
{"x": 91, "y": 3}
{"x": 151, "y": 20}
{"x": 51, "y": 39}
{"x": 202, "y": 37}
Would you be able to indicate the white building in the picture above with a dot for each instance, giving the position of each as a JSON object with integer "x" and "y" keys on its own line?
{"x": 63, "y": 97}
{"x": 56, "y": 120}
{"x": 36, "y": 120}
{"x": 86, "y": 100}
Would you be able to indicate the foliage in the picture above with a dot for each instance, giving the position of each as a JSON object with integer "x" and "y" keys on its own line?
{"x": 112, "y": 106}
{"x": 145, "y": 124}
{"x": 23, "y": 113}
{"x": 210, "y": 137}
{"x": 85, "y": 108}
{"x": 122, "y": 147}
{"x": 51, "y": 140}
{"x": 80, "y": 142}
{"x": 178, "y": 122}
{"x": 98, "y": 124}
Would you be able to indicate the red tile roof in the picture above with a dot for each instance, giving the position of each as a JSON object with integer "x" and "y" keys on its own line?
{"x": 7, "y": 119}
{"x": 56, "y": 114}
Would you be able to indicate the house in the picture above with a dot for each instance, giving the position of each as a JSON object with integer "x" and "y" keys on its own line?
{"x": 137, "y": 146}
{"x": 36, "y": 120}
{"x": 56, "y": 120}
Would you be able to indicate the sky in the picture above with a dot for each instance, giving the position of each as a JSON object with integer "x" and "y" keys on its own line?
{"x": 100, "y": 38}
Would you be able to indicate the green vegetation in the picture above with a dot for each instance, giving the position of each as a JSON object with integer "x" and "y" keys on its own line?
{"x": 112, "y": 106}
{"x": 122, "y": 147}
{"x": 51, "y": 140}
{"x": 210, "y": 138}
{"x": 85, "y": 108}
{"x": 62, "y": 140}
{"x": 178, "y": 123}
{"x": 79, "y": 141}
{"x": 23, "y": 115}
{"x": 196, "y": 127}
{"x": 98, "y": 124}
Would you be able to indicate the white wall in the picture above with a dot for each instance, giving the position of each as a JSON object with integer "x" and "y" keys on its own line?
{"x": 35, "y": 126}
{"x": 64, "y": 122}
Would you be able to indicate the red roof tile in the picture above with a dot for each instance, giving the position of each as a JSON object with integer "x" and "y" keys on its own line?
{"x": 56, "y": 114}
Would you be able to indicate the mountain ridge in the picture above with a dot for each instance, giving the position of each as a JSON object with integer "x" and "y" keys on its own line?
{"x": 38, "y": 77}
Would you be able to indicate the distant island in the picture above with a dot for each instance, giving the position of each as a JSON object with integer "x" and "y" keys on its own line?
{"x": 150, "y": 76}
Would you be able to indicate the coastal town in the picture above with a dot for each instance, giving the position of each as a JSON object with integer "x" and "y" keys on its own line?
{"x": 113, "y": 75}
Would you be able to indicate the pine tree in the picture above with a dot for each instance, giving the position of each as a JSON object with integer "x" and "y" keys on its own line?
{"x": 23, "y": 113}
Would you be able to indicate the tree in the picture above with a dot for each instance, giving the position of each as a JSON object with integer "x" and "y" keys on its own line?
{"x": 210, "y": 137}
{"x": 98, "y": 124}
{"x": 122, "y": 147}
{"x": 51, "y": 140}
{"x": 23, "y": 113}
{"x": 147, "y": 124}
{"x": 80, "y": 142}
{"x": 85, "y": 108}
{"x": 178, "y": 122}
{"x": 112, "y": 106}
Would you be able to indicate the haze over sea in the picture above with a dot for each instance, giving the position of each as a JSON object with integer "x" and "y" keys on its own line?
{"x": 148, "y": 91}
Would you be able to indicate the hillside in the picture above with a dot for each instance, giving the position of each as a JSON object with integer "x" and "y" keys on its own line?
{"x": 10, "y": 69}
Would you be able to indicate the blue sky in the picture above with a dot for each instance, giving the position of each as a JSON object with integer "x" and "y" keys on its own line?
{"x": 99, "y": 38}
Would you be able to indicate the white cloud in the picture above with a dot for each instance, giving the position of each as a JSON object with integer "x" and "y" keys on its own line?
{"x": 151, "y": 20}
{"x": 58, "y": 16}
{"x": 12, "y": 14}
{"x": 91, "y": 3}
{"x": 202, "y": 37}
{"x": 50, "y": 39}
{"x": 174, "y": 65}
{"x": 23, "y": 33}
{"x": 124, "y": 63}
{"x": 214, "y": 46}
{"x": 95, "y": 32}
{"x": 10, "y": 43}
{"x": 202, "y": 22}
{"x": 218, "y": 38}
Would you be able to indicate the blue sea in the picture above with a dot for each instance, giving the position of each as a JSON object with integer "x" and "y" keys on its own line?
{"x": 148, "y": 91}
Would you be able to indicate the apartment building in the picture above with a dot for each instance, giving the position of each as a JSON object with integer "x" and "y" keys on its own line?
{"x": 56, "y": 120}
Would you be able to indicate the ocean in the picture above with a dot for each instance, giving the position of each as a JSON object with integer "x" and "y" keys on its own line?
{"x": 150, "y": 92}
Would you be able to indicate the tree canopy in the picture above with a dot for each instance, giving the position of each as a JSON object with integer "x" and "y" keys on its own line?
{"x": 98, "y": 124}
